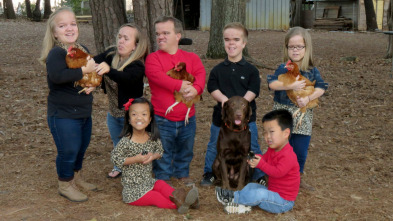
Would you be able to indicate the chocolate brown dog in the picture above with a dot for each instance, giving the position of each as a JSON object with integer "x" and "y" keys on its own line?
{"x": 234, "y": 141}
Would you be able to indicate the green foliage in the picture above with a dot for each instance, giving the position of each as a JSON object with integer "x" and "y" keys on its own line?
{"x": 76, "y": 6}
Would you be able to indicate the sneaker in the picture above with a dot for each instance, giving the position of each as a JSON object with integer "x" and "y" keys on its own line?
{"x": 208, "y": 179}
{"x": 234, "y": 208}
{"x": 224, "y": 196}
{"x": 262, "y": 181}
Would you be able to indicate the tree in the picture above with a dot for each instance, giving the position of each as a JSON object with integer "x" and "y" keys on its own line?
{"x": 37, "y": 11}
{"x": 47, "y": 9}
{"x": 9, "y": 9}
{"x": 296, "y": 9}
{"x": 223, "y": 12}
{"x": 371, "y": 20}
{"x": 146, "y": 12}
{"x": 389, "y": 53}
{"x": 28, "y": 9}
{"x": 107, "y": 17}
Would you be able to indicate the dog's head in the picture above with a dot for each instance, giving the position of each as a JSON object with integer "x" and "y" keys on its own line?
{"x": 236, "y": 113}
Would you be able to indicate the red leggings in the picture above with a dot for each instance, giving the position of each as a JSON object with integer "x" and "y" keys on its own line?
{"x": 158, "y": 196}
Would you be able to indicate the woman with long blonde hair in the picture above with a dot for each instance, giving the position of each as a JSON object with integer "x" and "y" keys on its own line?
{"x": 69, "y": 113}
{"x": 123, "y": 69}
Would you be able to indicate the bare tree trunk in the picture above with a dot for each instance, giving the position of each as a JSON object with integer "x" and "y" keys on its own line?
{"x": 37, "y": 11}
{"x": 47, "y": 9}
{"x": 296, "y": 11}
{"x": 9, "y": 9}
{"x": 223, "y": 12}
{"x": 107, "y": 17}
{"x": 153, "y": 9}
{"x": 389, "y": 53}
{"x": 28, "y": 9}
{"x": 140, "y": 17}
{"x": 371, "y": 20}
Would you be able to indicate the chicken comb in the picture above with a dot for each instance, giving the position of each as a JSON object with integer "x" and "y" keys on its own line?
{"x": 289, "y": 61}
{"x": 177, "y": 68}
{"x": 69, "y": 52}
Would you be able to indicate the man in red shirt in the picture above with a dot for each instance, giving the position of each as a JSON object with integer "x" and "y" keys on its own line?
{"x": 279, "y": 163}
{"x": 176, "y": 137}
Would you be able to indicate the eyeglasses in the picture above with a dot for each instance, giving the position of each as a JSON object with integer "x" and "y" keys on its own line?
{"x": 298, "y": 47}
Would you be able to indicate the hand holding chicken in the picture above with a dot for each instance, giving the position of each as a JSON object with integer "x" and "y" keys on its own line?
{"x": 303, "y": 89}
{"x": 179, "y": 72}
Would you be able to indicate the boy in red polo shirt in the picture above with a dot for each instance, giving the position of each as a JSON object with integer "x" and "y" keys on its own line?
{"x": 279, "y": 163}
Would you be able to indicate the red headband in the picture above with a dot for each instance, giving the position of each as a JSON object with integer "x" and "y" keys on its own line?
{"x": 128, "y": 104}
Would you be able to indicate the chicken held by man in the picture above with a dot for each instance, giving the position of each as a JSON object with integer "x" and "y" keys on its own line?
{"x": 179, "y": 72}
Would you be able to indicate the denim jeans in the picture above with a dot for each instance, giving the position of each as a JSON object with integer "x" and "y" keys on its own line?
{"x": 115, "y": 126}
{"x": 178, "y": 143}
{"x": 300, "y": 145}
{"x": 72, "y": 137}
{"x": 258, "y": 195}
{"x": 211, "y": 151}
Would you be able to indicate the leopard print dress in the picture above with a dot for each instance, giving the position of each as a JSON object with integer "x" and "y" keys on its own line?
{"x": 136, "y": 178}
{"x": 306, "y": 127}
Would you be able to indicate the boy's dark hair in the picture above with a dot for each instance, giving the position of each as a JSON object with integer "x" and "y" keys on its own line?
{"x": 283, "y": 117}
{"x": 152, "y": 128}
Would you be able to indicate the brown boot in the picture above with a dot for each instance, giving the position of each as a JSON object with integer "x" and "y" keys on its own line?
{"x": 71, "y": 192}
{"x": 304, "y": 185}
{"x": 184, "y": 200}
{"x": 80, "y": 182}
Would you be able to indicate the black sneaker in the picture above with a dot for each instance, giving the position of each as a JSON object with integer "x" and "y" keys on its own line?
{"x": 224, "y": 196}
{"x": 208, "y": 179}
{"x": 262, "y": 181}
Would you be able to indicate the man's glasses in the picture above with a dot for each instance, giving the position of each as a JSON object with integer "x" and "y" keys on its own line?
{"x": 298, "y": 47}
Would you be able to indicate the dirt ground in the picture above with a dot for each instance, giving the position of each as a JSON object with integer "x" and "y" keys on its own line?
{"x": 349, "y": 162}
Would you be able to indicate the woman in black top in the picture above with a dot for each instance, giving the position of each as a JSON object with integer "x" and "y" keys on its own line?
{"x": 69, "y": 113}
{"x": 123, "y": 68}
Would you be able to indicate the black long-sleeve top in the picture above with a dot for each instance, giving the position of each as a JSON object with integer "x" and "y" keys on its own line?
{"x": 129, "y": 81}
{"x": 64, "y": 101}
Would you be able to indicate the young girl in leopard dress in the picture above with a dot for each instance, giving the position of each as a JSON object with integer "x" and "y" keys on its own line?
{"x": 134, "y": 153}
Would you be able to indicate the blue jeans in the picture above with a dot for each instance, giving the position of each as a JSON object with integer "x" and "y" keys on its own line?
{"x": 72, "y": 137}
{"x": 258, "y": 195}
{"x": 300, "y": 145}
{"x": 211, "y": 151}
{"x": 178, "y": 143}
{"x": 115, "y": 126}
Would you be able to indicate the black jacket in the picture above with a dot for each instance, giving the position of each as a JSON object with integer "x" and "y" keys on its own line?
{"x": 64, "y": 101}
{"x": 129, "y": 81}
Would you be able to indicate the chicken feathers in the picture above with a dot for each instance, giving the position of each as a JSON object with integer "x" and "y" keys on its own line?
{"x": 179, "y": 72}
{"x": 289, "y": 78}
{"x": 76, "y": 58}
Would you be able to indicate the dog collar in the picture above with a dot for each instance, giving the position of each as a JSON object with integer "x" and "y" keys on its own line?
{"x": 245, "y": 127}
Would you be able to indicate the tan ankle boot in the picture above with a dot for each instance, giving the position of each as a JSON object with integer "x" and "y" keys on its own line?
{"x": 80, "y": 182}
{"x": 185, "y": 200}
{"x": 71, "y": 192}
{"x": 304, "y": 185}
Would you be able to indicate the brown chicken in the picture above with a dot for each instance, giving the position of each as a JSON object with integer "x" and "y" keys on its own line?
{"x": 76, "y": 58}
{"x": 290, "y": 77}
{"x": 179, "y": 72}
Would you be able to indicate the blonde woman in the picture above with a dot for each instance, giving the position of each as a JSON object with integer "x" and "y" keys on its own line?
{"x": 69, "y": 113}
{"x": 123, "y": 68}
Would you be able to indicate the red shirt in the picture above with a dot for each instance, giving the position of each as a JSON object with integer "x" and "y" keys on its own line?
{"x": 283, "y": 171}
{"x": 162, "y": 86}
